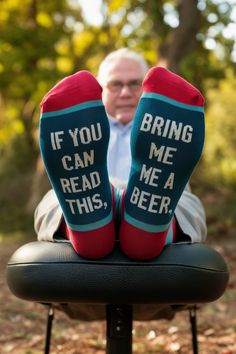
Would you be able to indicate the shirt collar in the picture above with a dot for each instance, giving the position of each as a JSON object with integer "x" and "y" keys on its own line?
{"x": 115, "y": 123}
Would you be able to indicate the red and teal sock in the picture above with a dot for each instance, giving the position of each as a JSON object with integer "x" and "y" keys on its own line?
{"x": 74, "y": 136}
{"x": 166, "y": 143}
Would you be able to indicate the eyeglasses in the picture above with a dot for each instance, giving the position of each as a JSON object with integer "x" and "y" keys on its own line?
{"x": 117, "y": 86}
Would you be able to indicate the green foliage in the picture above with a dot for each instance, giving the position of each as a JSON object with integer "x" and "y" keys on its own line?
{"x": 220, "y": 147}
{"x": 30, "y": 60}
{"x": 43, "y": 41}
{"x": 16, "y": 171}
{"x": 150, "y": 26}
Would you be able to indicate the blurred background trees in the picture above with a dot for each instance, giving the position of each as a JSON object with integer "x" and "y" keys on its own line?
{"x": 41, "y": 42}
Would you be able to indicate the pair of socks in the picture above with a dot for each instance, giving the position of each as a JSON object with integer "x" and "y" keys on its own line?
{"x": 166, "y": 143}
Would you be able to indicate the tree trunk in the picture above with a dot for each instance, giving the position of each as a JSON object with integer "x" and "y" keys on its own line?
{"x": 182, "y": 40}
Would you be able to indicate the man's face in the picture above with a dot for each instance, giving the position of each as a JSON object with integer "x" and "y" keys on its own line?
{"x": 122, "y": 89}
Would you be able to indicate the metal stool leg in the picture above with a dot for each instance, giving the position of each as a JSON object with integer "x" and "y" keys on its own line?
{"x": 119, "y": 329}
{"x": 49, "y": 329}
{"x": 193, "y": 321}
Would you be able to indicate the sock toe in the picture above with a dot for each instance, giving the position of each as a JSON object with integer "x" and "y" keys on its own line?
{"x": 164, "y": 82}
{"x": 72, "y": 90}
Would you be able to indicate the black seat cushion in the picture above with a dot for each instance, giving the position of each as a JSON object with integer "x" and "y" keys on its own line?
{"x": 53, "y": 273}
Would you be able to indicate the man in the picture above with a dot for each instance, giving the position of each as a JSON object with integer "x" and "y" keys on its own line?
{"x": 121, "y": 75}
{"x": 145, "y": 203}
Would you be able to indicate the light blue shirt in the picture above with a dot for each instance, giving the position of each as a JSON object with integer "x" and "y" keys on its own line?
{"x": 119, "y": 155}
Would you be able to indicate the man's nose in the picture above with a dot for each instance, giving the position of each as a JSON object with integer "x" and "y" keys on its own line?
{"x": 125, "y": 90}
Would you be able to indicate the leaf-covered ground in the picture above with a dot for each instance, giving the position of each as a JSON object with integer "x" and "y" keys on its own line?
{"x": 22, "y": 324}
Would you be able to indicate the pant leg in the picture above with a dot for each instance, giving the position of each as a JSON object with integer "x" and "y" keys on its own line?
{"x": 47, "y": 217}
{"x": 190, "y": 216}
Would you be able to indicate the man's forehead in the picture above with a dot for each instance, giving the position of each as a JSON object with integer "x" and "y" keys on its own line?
{"x": 122, "y": 67}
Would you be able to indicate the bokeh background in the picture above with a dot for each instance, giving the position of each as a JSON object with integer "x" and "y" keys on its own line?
{"x": 43, "y": 41}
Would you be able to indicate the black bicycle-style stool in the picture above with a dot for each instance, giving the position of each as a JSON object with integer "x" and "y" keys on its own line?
{"x": 116, "y": 288}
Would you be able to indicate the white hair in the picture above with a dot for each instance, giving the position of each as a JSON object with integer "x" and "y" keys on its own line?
{"x": 115, "y": 56}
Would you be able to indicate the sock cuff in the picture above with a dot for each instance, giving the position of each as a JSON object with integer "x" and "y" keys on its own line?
{"x": 92, "y": 226}
{"x": 117, "y": 203}
{"x": 172, "y": 231}
{"x": 144, "y": 226}
{"x": 164, "y": 82}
